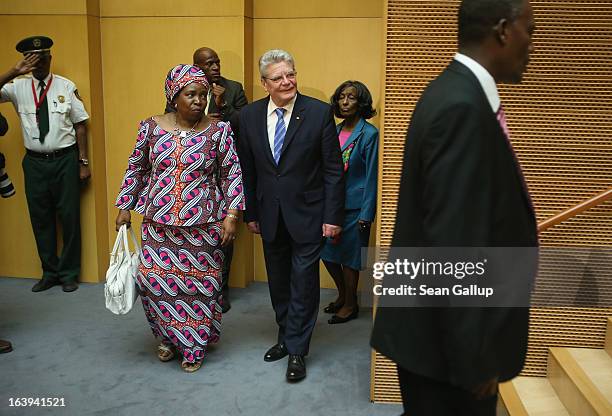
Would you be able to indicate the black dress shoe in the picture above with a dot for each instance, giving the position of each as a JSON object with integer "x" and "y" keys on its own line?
{"x": 332, "y": 307}
{"x": 43, "y": 284}
{"x": 70, "y": 286}
{"x": 335, "y": 319}
{"x": 275, "y": 353}
{"x": 296, "y": 368}
{"x": 5, "y": 346}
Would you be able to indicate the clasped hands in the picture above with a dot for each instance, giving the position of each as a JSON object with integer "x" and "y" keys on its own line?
{"x": 217, "y": 91}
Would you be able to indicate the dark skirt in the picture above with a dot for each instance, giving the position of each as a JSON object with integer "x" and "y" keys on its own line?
{"x": 179, "y": 278}
{"x": 348, "y": 251}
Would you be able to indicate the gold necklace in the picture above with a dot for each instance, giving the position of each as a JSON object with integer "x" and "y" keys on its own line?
{"x": 183, "y": 133}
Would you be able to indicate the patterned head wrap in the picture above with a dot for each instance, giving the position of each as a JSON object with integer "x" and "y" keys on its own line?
{"x": 182, "y": 75}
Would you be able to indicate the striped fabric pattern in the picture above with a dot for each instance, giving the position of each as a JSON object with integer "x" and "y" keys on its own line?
{"x": 279, "y": 133}
{"x": 6, "y": 186}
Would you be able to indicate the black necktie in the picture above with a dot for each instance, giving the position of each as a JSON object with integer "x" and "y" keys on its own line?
{"x": 42, "y": 114}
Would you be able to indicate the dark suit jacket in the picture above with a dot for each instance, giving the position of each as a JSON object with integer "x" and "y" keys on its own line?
{"x": 234, "y": 100}
{"x": 460, "y": 186}
{"x": 307, "y": 185}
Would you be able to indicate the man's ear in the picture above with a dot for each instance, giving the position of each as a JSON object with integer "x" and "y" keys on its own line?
{"x": 501, "y": 31}
{"x": 263, "y": 84}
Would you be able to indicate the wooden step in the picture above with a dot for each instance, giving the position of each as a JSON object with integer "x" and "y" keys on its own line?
{"x": 608, "y": 345}
{"x": 581, "y": 379}
{"x": 597, "y": 364}
{"x": 531, "y": 396}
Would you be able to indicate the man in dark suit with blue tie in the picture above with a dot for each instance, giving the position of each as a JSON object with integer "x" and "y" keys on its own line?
{"x": 462, "y": 186}
{"x": 294, "y": 188}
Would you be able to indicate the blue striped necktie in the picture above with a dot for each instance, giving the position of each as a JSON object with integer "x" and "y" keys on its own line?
{"x": 279, "y": 133}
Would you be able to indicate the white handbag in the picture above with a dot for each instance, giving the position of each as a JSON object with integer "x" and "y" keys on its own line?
{"x": 120, "y": 289}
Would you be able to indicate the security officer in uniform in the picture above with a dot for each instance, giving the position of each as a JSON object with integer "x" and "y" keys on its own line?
{"x": 53, "y": 123}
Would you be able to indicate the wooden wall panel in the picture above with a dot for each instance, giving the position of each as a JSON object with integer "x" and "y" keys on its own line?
{"x": 561, "y": 128}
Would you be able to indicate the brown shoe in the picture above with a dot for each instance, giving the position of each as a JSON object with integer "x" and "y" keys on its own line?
{"x": 5, "y": 346}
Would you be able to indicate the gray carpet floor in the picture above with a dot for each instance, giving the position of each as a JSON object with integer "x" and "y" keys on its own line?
{"x": 68, "y": 345}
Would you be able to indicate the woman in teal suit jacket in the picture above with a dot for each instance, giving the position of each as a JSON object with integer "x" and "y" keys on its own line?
{"x": 352, "y": 102}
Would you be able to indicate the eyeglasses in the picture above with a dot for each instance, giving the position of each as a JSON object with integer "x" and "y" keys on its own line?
{"x": 289, "y": 75}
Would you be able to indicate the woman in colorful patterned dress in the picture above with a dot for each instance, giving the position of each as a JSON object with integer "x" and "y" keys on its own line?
{"x": 352, "y": 102}
{"x": 184, "y": 177}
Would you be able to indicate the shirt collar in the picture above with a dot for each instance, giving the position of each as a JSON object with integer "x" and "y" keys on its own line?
{"x": 37, "y": 81}
{"x": 288, "y": 107}
{"x": 484, "y": 78}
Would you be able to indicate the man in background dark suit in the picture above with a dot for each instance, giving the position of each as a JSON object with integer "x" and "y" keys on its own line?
{"x": 462, "y": 186}
{"x": 225, "y": 100}
{"x": 294, "y": 188}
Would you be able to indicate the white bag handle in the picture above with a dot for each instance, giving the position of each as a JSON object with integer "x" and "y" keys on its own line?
{"x": 123, "y": 236}
{"x": 134, "y": 239}
{"x": 118, "y": 240}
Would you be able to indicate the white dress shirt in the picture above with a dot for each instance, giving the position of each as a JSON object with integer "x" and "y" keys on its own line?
{"x": 209, "y": 99}
{"x": 484, "y": 78}
{"x": 65, "y": 110}
{"x": 273, "y": 118}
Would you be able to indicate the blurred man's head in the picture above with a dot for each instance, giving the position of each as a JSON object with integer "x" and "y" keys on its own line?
{"x": 499, "y": 32}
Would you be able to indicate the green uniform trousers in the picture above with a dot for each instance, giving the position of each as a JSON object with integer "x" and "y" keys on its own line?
{"x": 52, "y": 189}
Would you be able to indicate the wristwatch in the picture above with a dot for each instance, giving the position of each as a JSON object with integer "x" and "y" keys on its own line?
{"x": 83, "y": 161}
